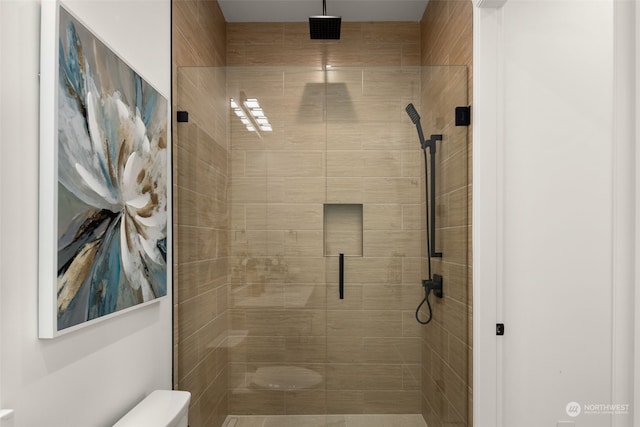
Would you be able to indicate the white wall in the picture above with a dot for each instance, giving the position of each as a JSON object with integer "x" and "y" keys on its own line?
{"x": 92, "y": 376}
{"x": 557, "y": 209}
{"x": 553, "y": 212}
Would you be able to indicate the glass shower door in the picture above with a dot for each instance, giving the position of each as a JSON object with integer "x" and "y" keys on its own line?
{"x": 201, "y": 242}
{"x": 373, "y": 192}
{"x": 277, "y": 296}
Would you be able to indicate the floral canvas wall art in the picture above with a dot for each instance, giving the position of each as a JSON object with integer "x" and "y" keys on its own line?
{"x": 112, "y": 181}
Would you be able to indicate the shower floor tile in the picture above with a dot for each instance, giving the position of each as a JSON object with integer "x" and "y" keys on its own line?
{"x": 386, "y": 420}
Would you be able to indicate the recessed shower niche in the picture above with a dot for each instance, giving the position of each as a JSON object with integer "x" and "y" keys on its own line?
{"x": 343, "y": 229}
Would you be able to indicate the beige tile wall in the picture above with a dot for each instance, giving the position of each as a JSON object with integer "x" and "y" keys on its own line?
{"x": 278, "y": 185}
{"x": 446, "y": 39}
{"x": 201, "y": 223}
{"x": 339, "y": 136}
{"x": 360, "y": 44}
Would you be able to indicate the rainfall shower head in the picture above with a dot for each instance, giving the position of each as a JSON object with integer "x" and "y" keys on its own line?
{"x": 324, "y": 27}
{"x": 415, "y": 118}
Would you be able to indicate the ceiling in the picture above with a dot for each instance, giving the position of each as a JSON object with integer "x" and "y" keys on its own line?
{"x": 300, "y": 10}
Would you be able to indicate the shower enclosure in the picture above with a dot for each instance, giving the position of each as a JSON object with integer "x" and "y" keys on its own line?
{"x": 299, "y": 222}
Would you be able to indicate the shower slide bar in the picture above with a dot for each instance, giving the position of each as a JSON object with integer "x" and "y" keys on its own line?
{"x": 341, "y": 279}
{"x": 431, "y": 143}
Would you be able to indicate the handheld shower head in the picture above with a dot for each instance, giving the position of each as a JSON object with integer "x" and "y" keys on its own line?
{"x": 413, "y": 114}
{"x": 415, "y": 118}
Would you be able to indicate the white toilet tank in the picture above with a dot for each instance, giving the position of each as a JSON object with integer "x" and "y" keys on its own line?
{"x": 162, "y": 408}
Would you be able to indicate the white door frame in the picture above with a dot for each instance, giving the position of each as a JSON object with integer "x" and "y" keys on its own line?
{"x": 487, "y": 212}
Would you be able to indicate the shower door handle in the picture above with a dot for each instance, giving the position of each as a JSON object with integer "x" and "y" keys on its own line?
{"x": 341, "y": 279}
